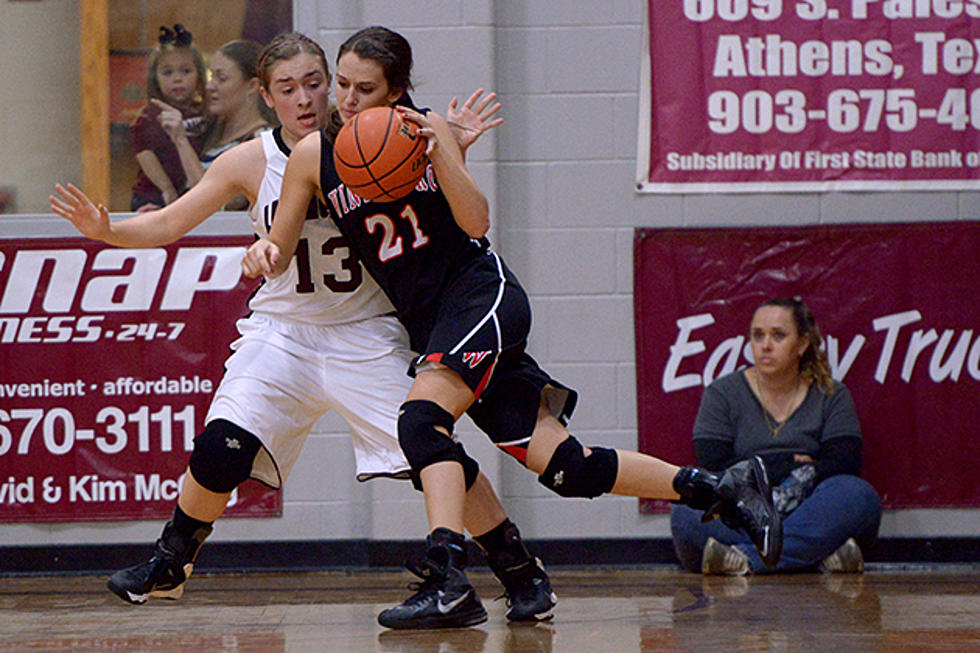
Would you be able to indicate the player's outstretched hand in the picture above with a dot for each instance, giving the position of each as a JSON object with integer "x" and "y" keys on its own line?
{"x": 261, "y": 258}
{"x": 74, "y": 205}
{"x": 473, "y": 118}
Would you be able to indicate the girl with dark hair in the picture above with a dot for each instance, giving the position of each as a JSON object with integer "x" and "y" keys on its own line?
{"x": 236, "y": 107}
{"x": 468, "y": 317}
{"x": 175, "y": 80}
{"x": 787, "y": 410}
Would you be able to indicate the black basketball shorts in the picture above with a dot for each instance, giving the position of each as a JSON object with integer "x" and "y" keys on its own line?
{"x": 480, "y": 332}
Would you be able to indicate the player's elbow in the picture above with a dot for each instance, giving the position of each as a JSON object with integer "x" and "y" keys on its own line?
{"x": 478, "y": 218}
{"x": 478, "y": 226}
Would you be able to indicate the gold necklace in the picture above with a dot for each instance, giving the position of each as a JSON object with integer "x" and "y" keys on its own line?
{"x": 772, "y": 424}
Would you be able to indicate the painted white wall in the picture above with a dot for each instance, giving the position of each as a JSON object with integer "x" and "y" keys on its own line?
{"x": 559, "y": 173}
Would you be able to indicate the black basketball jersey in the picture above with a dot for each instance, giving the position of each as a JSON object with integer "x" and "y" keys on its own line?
{"x": 412, "y": 246}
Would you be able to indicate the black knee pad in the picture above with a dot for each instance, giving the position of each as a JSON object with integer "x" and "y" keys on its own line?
{"x": 471, "y": 468}
{"x": 223, "y": 456}
{"x": 570, "y": 473}
{"x": 424, "y": 444}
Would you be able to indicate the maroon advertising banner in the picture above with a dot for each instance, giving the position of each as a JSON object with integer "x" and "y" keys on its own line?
{"x": 899, "y": 309}
{"x": 761, "y": 95}
{"x": 108, "y": 360}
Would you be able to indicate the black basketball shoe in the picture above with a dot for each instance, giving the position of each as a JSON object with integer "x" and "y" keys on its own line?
{"x": 444, "y": 598}
{"x": 745, "y": 502}
{"x": 164, "y": 574}
{"x": 527, "y": 589}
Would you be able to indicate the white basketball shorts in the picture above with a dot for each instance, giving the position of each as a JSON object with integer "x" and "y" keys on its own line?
{"x": 283, "y": 376}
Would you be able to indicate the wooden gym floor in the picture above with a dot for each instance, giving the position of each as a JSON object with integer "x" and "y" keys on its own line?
{"x": 656, "y": 608}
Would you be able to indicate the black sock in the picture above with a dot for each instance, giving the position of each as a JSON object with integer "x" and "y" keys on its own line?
{"x": 496, "y": 538}
{"x": 452, "y": 543}
{"x": 185, "y": 525}
{"x": 504, "y": 543}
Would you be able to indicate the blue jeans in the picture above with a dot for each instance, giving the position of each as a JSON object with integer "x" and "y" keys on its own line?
{"x": 840, "y": 507}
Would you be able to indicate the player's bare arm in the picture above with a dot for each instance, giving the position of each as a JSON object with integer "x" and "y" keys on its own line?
{"x": 300, "y": 184}
{"x": 233, "y": 173}
{"x": 470, "y": 207}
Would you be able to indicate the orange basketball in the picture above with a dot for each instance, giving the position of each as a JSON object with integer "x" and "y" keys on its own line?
{"x": 379, "y": 156}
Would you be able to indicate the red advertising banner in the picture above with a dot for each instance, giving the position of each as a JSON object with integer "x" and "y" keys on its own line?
{"x": 108, "y": 360}
{"x": 764, "y": 95}
{"x": 899, "y": 309}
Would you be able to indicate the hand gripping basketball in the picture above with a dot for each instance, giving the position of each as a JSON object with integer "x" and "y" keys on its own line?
{"x": 379, "y": 155}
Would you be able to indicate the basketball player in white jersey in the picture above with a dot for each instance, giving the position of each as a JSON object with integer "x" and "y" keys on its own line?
{"x": 320, "y": 337}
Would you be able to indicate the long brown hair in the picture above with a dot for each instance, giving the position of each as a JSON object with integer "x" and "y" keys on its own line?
{"x": 814, "y": 366}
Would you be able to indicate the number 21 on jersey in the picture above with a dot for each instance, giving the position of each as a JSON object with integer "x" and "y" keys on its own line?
{"x": 391, "y": 242}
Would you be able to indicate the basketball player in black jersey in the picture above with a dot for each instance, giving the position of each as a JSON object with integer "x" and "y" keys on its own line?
{"x": 278, "y": 382}
{"x": 469, "y": 317}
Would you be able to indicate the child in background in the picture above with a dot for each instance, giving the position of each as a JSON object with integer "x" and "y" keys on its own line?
{"x": 176, "y": 78}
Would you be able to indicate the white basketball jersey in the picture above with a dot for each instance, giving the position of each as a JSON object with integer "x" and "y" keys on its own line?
{"x": 324, "y": 283}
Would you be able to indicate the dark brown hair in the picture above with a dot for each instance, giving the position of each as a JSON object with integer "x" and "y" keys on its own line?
{"x": 391, "y": 51}
{"x": 388, "y": 49}
{"x": 813, "y": 364}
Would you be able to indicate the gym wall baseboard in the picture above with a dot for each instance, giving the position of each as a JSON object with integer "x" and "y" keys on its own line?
{"x": 322, "y": 555}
